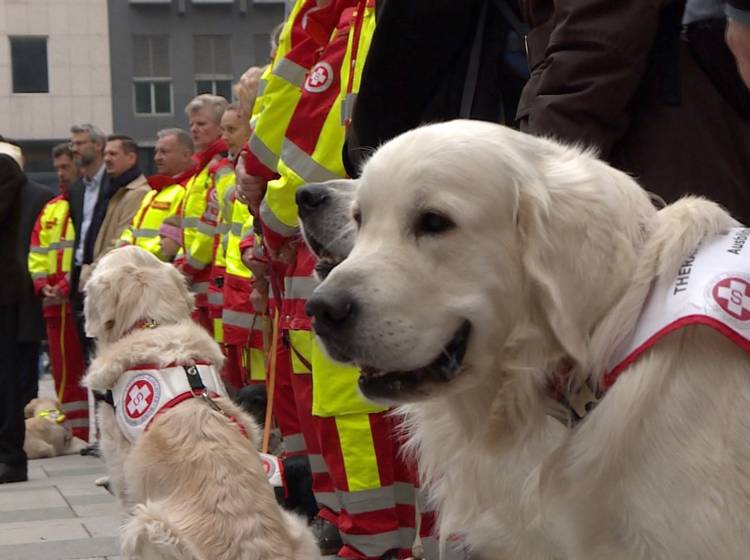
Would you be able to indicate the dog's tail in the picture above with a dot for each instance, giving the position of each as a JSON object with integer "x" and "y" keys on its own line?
{"x": 676, "y": 233}
{"x": 150, "y": 535}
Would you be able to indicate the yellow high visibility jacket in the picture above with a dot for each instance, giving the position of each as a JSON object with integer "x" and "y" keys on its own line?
{"x": 335, "y": 390}
{"x": 200, "y": 214}
{"x": 299, "y": 163}
{"x": 51, "y": 248}
{"x": 223, "y": 184}
{"x": 280, "y": 89}
{"x": 163, "y": 201}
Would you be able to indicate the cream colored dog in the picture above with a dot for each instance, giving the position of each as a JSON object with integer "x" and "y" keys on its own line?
{"x": 46, "y": 432}
{"x": 488, "y": 262}
{"x": 192, "y": 484}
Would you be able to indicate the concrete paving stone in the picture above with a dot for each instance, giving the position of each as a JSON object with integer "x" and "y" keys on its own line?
{"x": 62, "y": 550}
{"x": 94, "y": 471}
{"x": 36, "y": 514}
{"x": 102, "y": 526}
{"x": 33, "y": 498}
{"x": 95, "y": 510}
{"x": 100, "y": 497}
{"x": 41, "y": 531}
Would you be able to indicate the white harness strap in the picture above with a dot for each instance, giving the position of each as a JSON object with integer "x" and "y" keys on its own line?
{"x": 142, "y": 392}
{"x": 712, "y": 288}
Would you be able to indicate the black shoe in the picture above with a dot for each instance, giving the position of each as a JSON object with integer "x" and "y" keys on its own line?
{"x": 329, "y": 540}
{"x": 91, "y": 449}
{"x": 9, "y": 473}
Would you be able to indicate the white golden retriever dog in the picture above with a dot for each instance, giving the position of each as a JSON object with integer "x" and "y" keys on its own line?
{"x": 192, "y": 484}
{"x": 486, "y": 262}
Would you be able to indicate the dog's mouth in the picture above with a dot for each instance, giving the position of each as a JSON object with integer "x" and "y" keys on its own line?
{"x": 380, "y": 385}
{"x": 326, "y": 261}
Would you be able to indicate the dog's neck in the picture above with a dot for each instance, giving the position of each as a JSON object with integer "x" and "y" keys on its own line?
{"x": 140, "y": 324}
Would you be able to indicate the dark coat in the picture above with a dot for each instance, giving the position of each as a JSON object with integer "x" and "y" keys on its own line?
{"x": 617, "y": 76}
{"x": 416, "y": 71}
{"x": 18, "y": 290}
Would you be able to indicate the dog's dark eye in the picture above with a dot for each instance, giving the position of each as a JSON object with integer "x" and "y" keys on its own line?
{"x": 432, "y": 223}
{"x": 357, "y": 217}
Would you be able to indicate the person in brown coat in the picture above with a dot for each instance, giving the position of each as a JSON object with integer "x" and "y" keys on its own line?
{"x": 620, "y": 77}
{"x": 123, "y": 189}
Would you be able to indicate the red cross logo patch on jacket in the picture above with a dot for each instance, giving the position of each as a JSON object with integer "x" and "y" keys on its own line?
{"x": 320, "y": 78}
{"x": 733, "y": 296}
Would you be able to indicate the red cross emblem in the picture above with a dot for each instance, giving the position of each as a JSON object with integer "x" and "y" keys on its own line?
{"x": 139, "y": 398}
{"x": 320, "y": 78}
{"x": 733, "y": 296}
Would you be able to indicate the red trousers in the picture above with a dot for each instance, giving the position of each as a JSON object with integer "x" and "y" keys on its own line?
{"x": 68, "y": 368}
{"x": 201, "y": 316}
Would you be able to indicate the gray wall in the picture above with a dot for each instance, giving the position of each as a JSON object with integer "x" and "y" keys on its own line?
{"x": 181, "y": 20}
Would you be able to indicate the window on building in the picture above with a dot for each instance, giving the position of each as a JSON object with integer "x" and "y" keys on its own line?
{"x": 28, "y": 57}
{"x": 152, "y": 83}
{"x": 213, "y": 65}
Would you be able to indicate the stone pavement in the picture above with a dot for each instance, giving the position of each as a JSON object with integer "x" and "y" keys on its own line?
{"x": 59, "y": 514}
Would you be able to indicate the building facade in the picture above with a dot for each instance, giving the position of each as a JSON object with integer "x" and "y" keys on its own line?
{"x": 128, "y": 66}
{"x": 54, "y": 71}
{"x": 164, "y": 52}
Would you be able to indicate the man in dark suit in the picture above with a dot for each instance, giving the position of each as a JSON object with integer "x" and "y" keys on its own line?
{"x": 87, "y": 144}
{"x": 21, "y": 322}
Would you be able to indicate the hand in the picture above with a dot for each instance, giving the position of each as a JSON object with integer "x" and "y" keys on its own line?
{"x": 738, "y": 39}
{"x": 258, "y": 268}
{"x": 247, "y": 89}
{"x": 259, "y": 300}
{"x": 287, "y": 253}
{"x": 250, "y": 189}
{"x": 50, "y": 291}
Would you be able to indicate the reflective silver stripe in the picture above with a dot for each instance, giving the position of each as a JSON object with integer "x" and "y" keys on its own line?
{"x": 205, "y": 228}
{"x": 317, "y": 464}
{"x": 39, "y": 275}
{"x": 304, "y": 165}
{"x": 270, "y": 220}
{"x": 263, "y": 152}
{"x": 290, "y": 71}
{"x": 200, "y": 287}
{"x": 144, "y": 232}
{"x": 329, "y": 500}
{"x": 215, "y": 298}
{"x": 63, "y": 245}
{"x": 78, "y": 422}
{"x": 299, "y": 287}
{"x": 294, "y": 443}
{"x": 404, "y": 493}
{"x": 222, "y": 228}
{"x": 248, "y": 234}
{"x": 236, "y": 228}
{"x": 261, "y": 88}
{"x": 42, "y": 250}
{"x": 74, "y": 405}
{"x": 366, "y": 501}
{"x": 189, "y": 222}
{"x": 237, "y": 319}
{"x": 195, "y": 263}
{"x": 378, "y": 544}
{"x": 347, "y": 107}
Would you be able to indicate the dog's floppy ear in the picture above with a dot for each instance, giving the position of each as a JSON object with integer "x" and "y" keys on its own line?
{"x": 181, "y": 288}
{"x": 579, "y": 231}
{"x": 98, "y": 306}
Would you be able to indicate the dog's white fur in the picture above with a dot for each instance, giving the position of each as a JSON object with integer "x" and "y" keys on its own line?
{"x": 551, "y": 260}
{"x": 192, "y": 485}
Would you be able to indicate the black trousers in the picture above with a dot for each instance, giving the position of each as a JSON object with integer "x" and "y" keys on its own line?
{"x": 12, "y": 426}
{"x": 28, "y": 366}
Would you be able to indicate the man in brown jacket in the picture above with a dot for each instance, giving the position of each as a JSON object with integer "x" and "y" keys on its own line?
{"x": 619, "y": 76}
{"x": 122, "y": 191}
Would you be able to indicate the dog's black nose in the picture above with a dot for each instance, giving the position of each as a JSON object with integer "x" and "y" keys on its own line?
{"x": 332, "y": 310}
{"x": 310, "y": 198}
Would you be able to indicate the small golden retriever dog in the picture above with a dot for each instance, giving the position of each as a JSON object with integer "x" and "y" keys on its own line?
{"x": 489, "y": 271}
{"x": 186, "y": 471}
{"x": 46, "y": 432}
